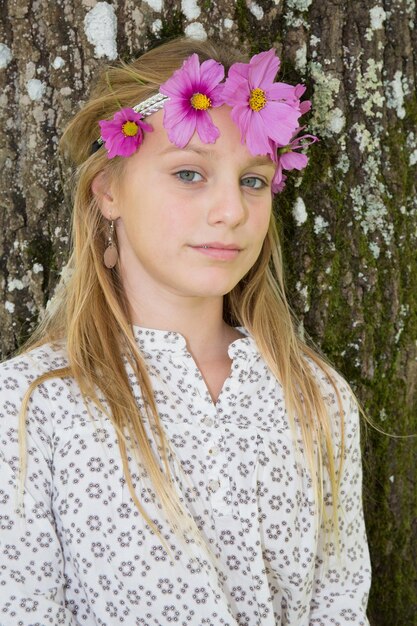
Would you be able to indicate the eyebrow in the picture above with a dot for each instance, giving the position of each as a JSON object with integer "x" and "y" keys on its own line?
{"x": 256, "y": 160}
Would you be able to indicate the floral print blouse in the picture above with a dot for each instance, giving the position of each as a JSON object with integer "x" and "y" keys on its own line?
{"x": 82, "y": 554}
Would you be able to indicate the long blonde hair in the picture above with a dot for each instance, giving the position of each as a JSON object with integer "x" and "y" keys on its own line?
{"x": 90, "y": 310}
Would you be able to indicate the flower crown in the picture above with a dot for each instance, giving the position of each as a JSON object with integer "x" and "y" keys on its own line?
{"x": 266, "y": 112}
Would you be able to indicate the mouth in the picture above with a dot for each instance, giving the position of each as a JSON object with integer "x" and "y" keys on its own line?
{"x": 223, "y": 254}
{"x": 219, "y": 246}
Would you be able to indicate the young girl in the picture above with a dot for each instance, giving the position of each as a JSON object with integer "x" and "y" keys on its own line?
{"x": 172, "y": 452}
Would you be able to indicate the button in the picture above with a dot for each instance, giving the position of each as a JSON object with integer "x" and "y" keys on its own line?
{"x": 213, "y": 451}
{"x": 213, "y": 485}
{"x": 207, "y": 421}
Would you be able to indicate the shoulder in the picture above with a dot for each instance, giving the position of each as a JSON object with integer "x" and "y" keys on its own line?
{"x": 35, "y": 362}
{"x": 16, "y": 376}
{"x": 339, "y": 398}
{"x": 17, "y": 373}
{"x": 333, "y": 384}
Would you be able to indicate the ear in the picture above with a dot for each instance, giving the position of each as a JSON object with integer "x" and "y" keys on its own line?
{"x": 102, "y": 189}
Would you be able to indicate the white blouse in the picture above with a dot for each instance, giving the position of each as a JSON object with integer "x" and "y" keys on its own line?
{"x": 83, "y": 554}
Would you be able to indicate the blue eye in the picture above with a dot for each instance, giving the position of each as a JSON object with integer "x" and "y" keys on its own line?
{"x": 188, "y": 176}
{"x": 261, "y": 182}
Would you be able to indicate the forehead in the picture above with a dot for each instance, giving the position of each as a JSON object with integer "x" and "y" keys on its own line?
{"x": 227, "y": 144}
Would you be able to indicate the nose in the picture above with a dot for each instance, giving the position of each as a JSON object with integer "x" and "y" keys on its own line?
{"x": 227, "y": 204}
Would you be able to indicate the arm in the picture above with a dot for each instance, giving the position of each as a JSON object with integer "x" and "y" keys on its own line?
{"x": 341, "y": 583}
{"x": 31, "y": 559}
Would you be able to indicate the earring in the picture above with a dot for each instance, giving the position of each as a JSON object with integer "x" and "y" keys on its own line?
{"x": 110, "y": 254}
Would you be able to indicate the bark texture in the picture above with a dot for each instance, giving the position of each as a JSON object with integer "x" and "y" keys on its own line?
{"x": 348, "y": 222}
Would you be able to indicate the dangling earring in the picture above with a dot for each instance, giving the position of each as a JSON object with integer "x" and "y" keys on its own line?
{"x": 110, "y": 254}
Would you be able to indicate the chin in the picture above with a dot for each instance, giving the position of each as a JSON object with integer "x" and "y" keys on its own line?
{"x": 215, "y": 277}
{"x": 212, "y": 290}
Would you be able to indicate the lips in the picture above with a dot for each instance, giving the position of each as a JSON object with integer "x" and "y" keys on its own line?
{"x": 218, "y": 251}
{"x": 219, "y": 246}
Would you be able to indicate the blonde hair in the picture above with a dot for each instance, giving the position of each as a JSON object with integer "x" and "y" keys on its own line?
{"x": 90, "y": 310}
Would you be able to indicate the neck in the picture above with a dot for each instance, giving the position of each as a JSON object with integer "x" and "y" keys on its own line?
{"x": 198, "y": 320}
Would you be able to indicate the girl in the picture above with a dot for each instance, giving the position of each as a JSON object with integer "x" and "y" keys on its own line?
{"x": 172, "y": 451}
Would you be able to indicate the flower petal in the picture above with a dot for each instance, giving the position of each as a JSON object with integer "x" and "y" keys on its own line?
{"x": 307, "y": 141}
{"x": 180, "y": 84}
{"x": 299, "y": 90}
{"x": 180, "y": 134}
{"x": 212, "y": 72}
{"x": 237, "y": 76}
{"x": 305, "y": 106}
{"x": 191, "y": 70}
{"x": 114, "y": 145}
{"x": 279, "y": 91}
{"x": 127, "y": 115}
{"x": 263, "y": 68}
{"x": 278, "y": 174}
{"x": 281, "y": 120}
{"x": 238, "y": 71}
{"x": 235, "y": 92}
{"x": 130, "y": 145}
{"x": 241, "y": 115}
{"x": 257, "y": 135}
{"x": 216, "y": 96}
{"x": 172, "y": 88}
{"x": 277, "y": 188}
{"x": 144, "y": 126}
{"x": 109, "y": 129}
{"x": 120, "y": 117}
{"x": 207, "y": 131}
{"x": 175, "y": 111}
{"x": 293, "y": 161}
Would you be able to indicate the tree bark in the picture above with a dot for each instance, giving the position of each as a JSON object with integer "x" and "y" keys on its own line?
{"x": 348, "y": 222}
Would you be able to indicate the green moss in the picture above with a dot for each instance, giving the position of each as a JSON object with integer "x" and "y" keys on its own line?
{"x": 40, "y": 250}
{"x": 390, "y": 496}
{"x": 24, "y": 328}
{"x": 252, "y": 34}
{"x": 242, "y": 19}
{"x": 172, "y": 27}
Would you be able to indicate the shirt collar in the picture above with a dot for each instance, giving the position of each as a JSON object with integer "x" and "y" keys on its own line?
{"x": 152, "y": 339}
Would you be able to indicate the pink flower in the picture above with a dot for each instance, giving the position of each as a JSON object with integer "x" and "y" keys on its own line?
{"x": 262, "y": 109}
{"x": 192, "y": 90}
{"x": 287, "y": 158}
{"x": 124, "y": 133}
{"x": 278, "y": 187}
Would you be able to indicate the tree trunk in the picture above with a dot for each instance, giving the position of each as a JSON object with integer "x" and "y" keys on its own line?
{"x": 348, "y": 222}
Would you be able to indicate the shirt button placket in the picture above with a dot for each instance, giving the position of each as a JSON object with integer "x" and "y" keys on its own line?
{"x": 213, "y": 451}
{"x": 213, "y": 485}
{"x": 217, "y": 484}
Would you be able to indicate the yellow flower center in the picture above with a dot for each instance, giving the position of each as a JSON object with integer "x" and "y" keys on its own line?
{"x": 130, "y": 129}
{"x": 257, "y": 99}
{"x": 200, "y": 102}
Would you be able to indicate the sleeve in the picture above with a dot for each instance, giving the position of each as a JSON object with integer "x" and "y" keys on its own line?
{"x": 342, "y": 581}
{"x": 31, "y": 559}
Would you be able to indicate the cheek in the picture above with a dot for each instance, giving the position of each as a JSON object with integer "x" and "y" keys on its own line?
{"x": 155, "y": 227}
{"x": 260, "y": 230}
{"x": 261, "y": 222}
{"x": 178, "y": 221}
